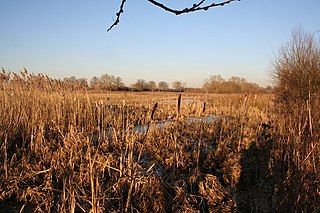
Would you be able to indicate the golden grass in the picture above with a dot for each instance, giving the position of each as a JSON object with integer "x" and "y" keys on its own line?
{"x": 77, "y": 151}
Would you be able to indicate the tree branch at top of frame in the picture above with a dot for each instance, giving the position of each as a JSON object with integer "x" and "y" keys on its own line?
{"x": 200, "y": 6}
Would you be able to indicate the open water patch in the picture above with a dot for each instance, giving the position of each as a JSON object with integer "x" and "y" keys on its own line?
{"x": 108, "y": 133}
{"x": 185, "y": 100}
{"x": 143, "y": 128}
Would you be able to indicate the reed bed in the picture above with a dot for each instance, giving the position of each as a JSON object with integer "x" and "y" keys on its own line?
{"x": 66, "y": 150}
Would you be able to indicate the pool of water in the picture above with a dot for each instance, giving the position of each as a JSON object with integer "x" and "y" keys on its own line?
{"x": 184, "y": 100}
{"x": 108, "y": 133}
{"x": 158, "y": 125}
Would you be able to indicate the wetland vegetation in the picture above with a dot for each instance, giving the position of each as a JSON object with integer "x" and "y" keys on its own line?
{"x": 57, "y": 154}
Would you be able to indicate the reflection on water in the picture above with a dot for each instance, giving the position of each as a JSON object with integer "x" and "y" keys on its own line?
{"x": 204, "y": 119}
{"x": 108, "y": 133}
{"x": 207, "y": 119}
{"x": 186, "y": 100}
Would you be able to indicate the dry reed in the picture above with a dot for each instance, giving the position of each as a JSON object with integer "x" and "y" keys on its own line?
{"x": 72, "y": 150}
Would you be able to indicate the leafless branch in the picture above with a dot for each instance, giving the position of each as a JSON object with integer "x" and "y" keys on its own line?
{"x": 118, "y": 14}
{"x": 195, "y": 7}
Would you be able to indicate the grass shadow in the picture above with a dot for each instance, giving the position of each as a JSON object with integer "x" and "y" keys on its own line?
{"x": 254, "y": 190}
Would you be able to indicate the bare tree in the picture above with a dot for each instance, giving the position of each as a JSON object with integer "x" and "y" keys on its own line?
{"x": 296, "y": 70}
{"x": 94, "y": 83}
{"x": 178, "y": 85}
{"x": 118, "y": 83}
{"x": 107, "y": 82}
{"x": 163, "y": 86}
{"x": 216, "y": 84}
{"x": 140, "y": 85}
{"x": 76, "y": 83}
{"x": 152, "y": 85}
{"x": 83, "y": 83}
{"x": 212, "y": 84}
{"x": 201, "y": 5}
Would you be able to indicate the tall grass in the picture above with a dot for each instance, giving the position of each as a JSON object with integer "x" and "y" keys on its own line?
{"x": 76, "y": 151}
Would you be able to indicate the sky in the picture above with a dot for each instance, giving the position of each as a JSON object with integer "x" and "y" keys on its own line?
{"x": 65, "y": 38}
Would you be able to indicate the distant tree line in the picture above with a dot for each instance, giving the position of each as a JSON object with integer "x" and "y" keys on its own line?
{"x": 216, "y": 84}
{"x": 106, "y": 82}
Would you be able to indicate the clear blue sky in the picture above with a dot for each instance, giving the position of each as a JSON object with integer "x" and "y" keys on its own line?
{"x": 64, "y": 38}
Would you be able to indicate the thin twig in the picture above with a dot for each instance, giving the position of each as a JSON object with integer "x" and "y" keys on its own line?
{"x": 118, "y": 14}
{"x": 195, "y": 7}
